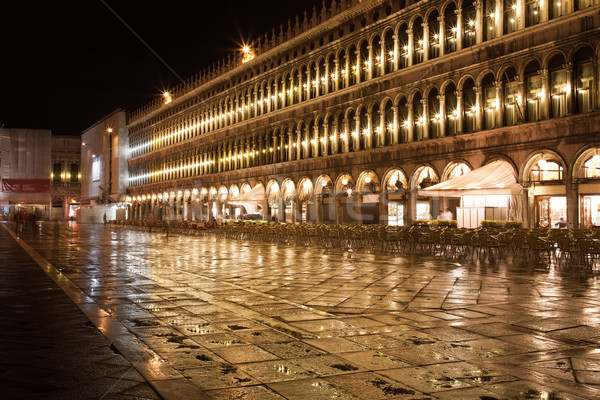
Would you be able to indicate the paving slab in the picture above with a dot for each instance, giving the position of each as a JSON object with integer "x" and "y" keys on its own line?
{"x": 205, "y": 316}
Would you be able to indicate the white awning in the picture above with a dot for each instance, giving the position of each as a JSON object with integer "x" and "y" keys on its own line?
{"x": 494, "y": 178}
{"x": 254, "y": 195}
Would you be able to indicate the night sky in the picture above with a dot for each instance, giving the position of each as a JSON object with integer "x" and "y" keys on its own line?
{"x": 66, "y": 64}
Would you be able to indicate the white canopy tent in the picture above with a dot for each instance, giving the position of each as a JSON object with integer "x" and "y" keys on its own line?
{"x": 250, "y": 199}
{"x": 495, "y": 178}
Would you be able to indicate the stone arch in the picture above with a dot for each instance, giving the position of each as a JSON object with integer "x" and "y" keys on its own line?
{"x": 368, "y": 181}
{"x": 344, "y": 182}
{"x": 394, "y": 179}
{"x": 424, "y": 174}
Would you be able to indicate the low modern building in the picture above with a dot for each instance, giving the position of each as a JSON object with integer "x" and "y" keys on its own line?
{"x": 351, "y": 111}
{"x": 104, "y": 153}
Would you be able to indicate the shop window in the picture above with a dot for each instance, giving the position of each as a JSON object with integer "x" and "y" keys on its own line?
{"x": 591, "y": 168}
{"x": 395, "y": 213}
{"x": 545, "y": 171}
{"x": 451, "y": 28}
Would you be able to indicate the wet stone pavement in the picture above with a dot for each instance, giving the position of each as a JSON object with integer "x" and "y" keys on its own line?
{"x": 207, "y": 317}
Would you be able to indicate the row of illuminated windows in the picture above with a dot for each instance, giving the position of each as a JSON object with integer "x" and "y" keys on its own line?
{"x": 433, "y": 35}
{"x": 65, "y": 173}
{"x": 437, "y": 113}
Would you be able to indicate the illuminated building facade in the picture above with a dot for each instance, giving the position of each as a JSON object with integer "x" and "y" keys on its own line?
{"x": 347, "y": 113}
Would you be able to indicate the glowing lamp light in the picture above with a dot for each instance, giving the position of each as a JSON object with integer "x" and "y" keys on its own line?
{"x": 344, "y": 181}
{"x": 542, "y": 163}
{"x": 368, "y": 179}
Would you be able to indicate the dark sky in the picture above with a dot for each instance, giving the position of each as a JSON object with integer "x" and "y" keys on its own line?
{"x": 66, "y": 64}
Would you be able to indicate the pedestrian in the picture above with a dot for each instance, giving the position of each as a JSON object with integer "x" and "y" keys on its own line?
{"x": 104, "y": 218}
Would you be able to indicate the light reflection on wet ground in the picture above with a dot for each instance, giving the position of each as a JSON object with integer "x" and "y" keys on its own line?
{"x": 274, "y": 321}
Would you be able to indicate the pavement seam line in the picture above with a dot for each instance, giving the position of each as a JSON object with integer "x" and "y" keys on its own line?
{"x": 68, "y": 287}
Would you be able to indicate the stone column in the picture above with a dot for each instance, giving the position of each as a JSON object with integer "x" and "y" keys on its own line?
{"x": 442, "y": 35}
{"x": 459, "y": 29}
{"x": 319, "y": 208}
{"x": 297, "y": 210}
{"x": 547, "y": 95}
{"x": 442, "y": 115}
{"x": 478, "y": 108}
{"x": 411, "y": 46}
{"x": 370, "y": 63}
{"x": 381, "y": 132}
{"x": 572, "y": 190}
{"x": 544, "y": 10}
{"x": 412, "y": 206}
{"x": 382, "y": 57}
{"x": 281, "y": 211}
{"x": 396, "y": 51}
{"x": 383, "y": 208}
{"x": 337, "y": 205}
{"x": 499, "y": 114}
{"x": 410, "y": 131}
{"x": 357, "y": 198}
{"x": 426, "y": 43}
{"x": 395, "y": 126}
{"x": 426, "y": 120}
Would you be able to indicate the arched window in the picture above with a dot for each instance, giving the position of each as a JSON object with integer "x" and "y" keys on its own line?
{"x": 342, "y": 71}
{"x": 469, "y": 17}
{"x": 351, "y": 129}
{"x": 489, "y": 102}
{"x": 341, "y": 133}
{"x": 303, "y": 91}
{"x": 581, "y": 4}
{"x": 434, "y": 35}
{"x": 533, "y": 84}
{"x": 418, "y": 44}
{"x": 353, "y": 65}
{"x": 321, "y": 139}
{"x": 419, "y": 117}
{"x": 403, "y": 46}
{"x": 387, "y": 137}
{"x": 389, "y": 51}
{"x": 512, "y": 105}
{"x": 296, "y": 87}
{"x": 434, "y": 114}
{"x": 546, "y": 170}
{"x": 376, "y": 129}
{"x": 280, "y": 90}
{"x": 451, "y": 20}
{"x": 469, "y": 106}
{"x": 451, "y": 105}
{"x": 558, "y": 86}
{"x": 558, "y": 8}
{"x": 332, "y": 78}
{"x": 322, "y": 78}
{"x": 364, "y": 132}
{"x": 311, "y": 81}
{"x": 285, "y": 145}
{"x": 510, "y": 16}
{"x": 252, "y": 103}
{"x": 591, "y": 168}
{"x": 489, "y": 19}
{"x": 308, "y": 141}
{"x": 403, "y": 121}
{"x": 584, "y": 79}
{"x": 363, "y": 63}
{"x": 377, "y": 60}
{"x": 532, "y": 12}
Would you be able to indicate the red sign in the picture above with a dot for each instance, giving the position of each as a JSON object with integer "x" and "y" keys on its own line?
{"x": 26, "y": 185}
